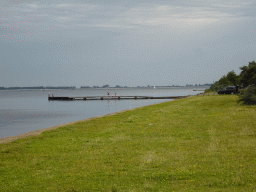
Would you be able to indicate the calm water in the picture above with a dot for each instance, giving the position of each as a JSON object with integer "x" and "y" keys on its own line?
{"x": 25, "y": 111}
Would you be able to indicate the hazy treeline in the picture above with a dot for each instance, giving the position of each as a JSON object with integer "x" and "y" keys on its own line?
{"x": 38, "y": 87}
{"x": 246, "y": 77}
{"x": 245, "y": 81}
{"x": 149, "y": 86}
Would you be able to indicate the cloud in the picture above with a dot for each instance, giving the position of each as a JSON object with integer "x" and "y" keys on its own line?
{"x": 173, "y": 16}
{"x": 65, "y": 5}
{"x": 181, "y": 15}
{"x": 168, "y": 15}
{"x": 77, "y": 6}
{"x": 63, "y": 18}
{"x": 115, "y": 26}
{"x": 187, "y": 22}
{"x": 33, "y": 6}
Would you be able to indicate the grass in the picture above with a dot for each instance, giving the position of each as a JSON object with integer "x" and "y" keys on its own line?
{"x": 203, "y": 143}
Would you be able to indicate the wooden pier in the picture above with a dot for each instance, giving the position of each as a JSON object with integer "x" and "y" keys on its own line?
{"x": 112, "y": 98}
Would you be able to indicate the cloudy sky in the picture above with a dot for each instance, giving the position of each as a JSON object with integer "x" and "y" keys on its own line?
{"x": 123, "y": 42}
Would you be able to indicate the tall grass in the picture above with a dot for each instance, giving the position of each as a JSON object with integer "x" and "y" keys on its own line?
{"x": 203, "y": 143}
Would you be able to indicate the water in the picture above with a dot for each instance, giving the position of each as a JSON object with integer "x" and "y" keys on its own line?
{"x": 25, "y": 111}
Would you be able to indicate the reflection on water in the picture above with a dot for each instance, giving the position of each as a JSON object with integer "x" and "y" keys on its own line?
{"x": 25, "y": 111}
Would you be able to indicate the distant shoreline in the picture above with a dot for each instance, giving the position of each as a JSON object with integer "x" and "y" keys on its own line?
{"x": 116, "y": 88}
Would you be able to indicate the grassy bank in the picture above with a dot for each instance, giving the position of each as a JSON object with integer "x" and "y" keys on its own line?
{"x": 203, "y": 143}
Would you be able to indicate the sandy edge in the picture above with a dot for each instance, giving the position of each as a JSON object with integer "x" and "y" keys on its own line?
{"x": 38, "y": 132}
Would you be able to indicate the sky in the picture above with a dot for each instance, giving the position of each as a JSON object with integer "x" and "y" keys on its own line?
{"x": 124, "y": 42}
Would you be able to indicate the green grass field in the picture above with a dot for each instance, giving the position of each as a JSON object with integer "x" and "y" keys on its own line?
{"x": 202, "y": 143}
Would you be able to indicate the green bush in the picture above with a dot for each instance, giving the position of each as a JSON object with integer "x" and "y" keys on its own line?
{"x": 208, "y": 91}
{"x": 248, "y": 96}
{"x": 248, "y": 74}
{"x": 217, "y": 86}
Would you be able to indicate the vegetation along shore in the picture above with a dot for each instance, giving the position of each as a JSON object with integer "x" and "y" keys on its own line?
{"x": 201, "y": 143}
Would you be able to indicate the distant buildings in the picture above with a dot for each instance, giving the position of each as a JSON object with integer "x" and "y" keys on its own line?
{"x": 105, "y": 86}
{"x": 84, "y": 87}
{"x": 206, "y": 84}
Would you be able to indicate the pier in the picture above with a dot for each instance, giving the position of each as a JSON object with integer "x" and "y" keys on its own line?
{"x": 112, "y": 98}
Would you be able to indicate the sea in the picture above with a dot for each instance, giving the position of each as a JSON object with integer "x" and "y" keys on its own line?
{"x": 22, "y": 111}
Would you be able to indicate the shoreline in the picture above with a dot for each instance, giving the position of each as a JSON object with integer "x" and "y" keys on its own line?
{"x": 156, "y": 148}
{"x": 38, "y": 132}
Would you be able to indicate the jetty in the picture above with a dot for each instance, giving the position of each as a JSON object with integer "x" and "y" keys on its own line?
{"x": 112, "y": 97}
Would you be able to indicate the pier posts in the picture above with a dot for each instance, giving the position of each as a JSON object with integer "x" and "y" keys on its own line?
{"x": 112, "y": 98}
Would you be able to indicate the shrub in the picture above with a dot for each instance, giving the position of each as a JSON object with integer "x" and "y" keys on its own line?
{"x": 248, "y": 96}
{"x": 248, "y": 74}
{"x": 217, "y": 86}
{"x": 208, "y": 91}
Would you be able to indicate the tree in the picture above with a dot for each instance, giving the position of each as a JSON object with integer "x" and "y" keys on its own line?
{"x": 248, "y": 74}
{"x": 248, "y": 95}
{"x": 232, "y": 78}
{"x": 246, "y": 77}
{"x": 224, "y": 81}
